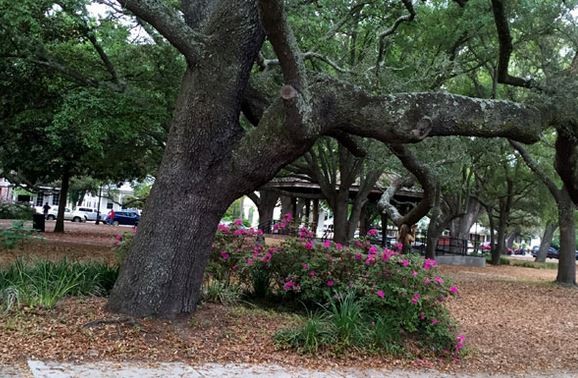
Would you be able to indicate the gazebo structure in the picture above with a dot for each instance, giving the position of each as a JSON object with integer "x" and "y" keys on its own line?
{"x": 299, "y": 190}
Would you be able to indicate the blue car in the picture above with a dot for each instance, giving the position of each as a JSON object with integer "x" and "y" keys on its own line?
{"x": 130, "y": 218}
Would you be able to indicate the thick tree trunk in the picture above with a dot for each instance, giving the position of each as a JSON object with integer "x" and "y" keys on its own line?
{"x": 62, "y": 199}
{"x": 163, "y": 272}
{"x": 546, "y": 241}
{"x": 567, "y": 223}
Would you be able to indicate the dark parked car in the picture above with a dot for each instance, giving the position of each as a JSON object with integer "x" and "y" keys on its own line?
{"x": 553, "y": 252}
{"x": 124, "y": 217}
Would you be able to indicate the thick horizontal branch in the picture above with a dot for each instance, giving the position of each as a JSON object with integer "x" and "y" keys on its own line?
{"x": 410, "y": 117}
{"x": 168, "y": 22}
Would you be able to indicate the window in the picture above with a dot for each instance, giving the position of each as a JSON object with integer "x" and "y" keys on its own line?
{"x": 109, "y": 205}
{"x": 56, "y": 199}
{"x": 40, "y": 199}
{"x": 85, "y": 209}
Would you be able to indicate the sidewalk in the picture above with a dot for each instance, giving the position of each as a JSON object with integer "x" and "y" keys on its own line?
{"x": 40, "y": 369}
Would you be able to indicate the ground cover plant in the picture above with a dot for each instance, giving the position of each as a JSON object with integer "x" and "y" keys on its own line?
{"x": 356, "y": 296}
{"x": 16, "y": 234}
{"x": 43, "y": 283}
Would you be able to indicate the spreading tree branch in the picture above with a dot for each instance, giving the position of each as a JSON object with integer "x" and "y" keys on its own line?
{"x": 506, "y": 48}
{"x": 170, "y": 24}
{"x": 392, "y": 29}
{"x": 531, "y": 163}
{"x": 426, "y": 179}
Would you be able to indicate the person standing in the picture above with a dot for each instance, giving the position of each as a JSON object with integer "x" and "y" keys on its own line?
{"x": 45, "y": 210}
{"x": 110, "y": 216}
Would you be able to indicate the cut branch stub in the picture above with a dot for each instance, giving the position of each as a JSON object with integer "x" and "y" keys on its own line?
{"x": 288, "y": 92}
{"x": 423, "y": 128}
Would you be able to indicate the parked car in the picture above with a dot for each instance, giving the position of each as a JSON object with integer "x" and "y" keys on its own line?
{"x": 89, "y": 214}
{"x": 69, "y": 214}
{"x": 124, "y": 217}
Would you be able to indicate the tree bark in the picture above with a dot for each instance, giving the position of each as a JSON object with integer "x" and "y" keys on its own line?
{"x": 567, "y": 224}
{"x": 62, "y": 198}
{"x": 546, "y": 241}
{"x": 340, "y": 217}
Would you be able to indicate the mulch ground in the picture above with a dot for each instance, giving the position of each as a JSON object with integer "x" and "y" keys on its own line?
{"x": 515, "y": 321}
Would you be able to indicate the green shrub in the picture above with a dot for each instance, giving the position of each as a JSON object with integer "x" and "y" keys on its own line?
{"x": 16, "y": 234}
{"x": 123, "y": 244}
{"x": 44, "y": 283}
{"x": 16, "y": 211}
{"x": 405, "y": 294}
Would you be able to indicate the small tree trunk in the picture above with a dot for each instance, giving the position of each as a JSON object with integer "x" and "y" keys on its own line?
{"x": 364, "y": 220}
{"x": 266, "y": 207}
{"x": 546, "y": 241}
{"x": 286, "y": 205}
{"x": 315, "y": 222}
{"x": 340, "y": 221}
{"x": 62, "y": 198}
{"x": 567, "y": 223}
{"x": 501, "y": 243}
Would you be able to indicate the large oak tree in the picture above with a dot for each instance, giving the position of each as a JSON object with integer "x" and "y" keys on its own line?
{"x": 210, "y": 160}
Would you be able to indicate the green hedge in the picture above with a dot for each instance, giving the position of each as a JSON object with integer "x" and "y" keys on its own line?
{"x": 16, "y": 211}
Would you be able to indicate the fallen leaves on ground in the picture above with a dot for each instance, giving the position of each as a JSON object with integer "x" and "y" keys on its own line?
{"x": 515, "y": 321}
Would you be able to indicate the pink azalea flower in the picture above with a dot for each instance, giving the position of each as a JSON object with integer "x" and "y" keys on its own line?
{"x": 288, "y": 217}
{"x": 398, "y": 247}
{"x": 373, "y": 232}
{"x": 309, "y": 245}
{"x": 405, "y": 263}
{"x": 288, "y": 285}
{"x": 224, "y": 255}
{"x": 238, "y": 222}
{"x": 429, "y": 263}
{"x": 305, "y": 266}
{"x": 118, "y": 237}
{"x": 434, "y": 321}
{"x": 338, "y": 246}
{"x": 267, "y": 258}
{"x": 327, "y": 244}
{"x": 370, "y": 260}
{"x": 426, "y": 281}
{"x": 387, "y": 253}
{"x": 460, "y": 340}
{"x": 259, "y": 232}
{"x": 414, "y": 273}
{"x": 454, "y": 290}
{"x": 250, "y": 262}
{"x": 330, "y": 282}
{"x": 312, "y": 273}
{"x": 239, "y": 232}
{"x": 438, "y": 280}
{"x": 357, "y": 256}
{"x": 381, "y": 294}
{"x": 372, "y": 250}
{"x": 416, "y": 297}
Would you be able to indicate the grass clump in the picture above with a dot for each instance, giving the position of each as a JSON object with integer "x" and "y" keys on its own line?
{"x": 44, "y": 283}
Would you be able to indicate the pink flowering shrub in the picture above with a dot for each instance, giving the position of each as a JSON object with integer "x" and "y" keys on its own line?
{"x": 405, "y": 289}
